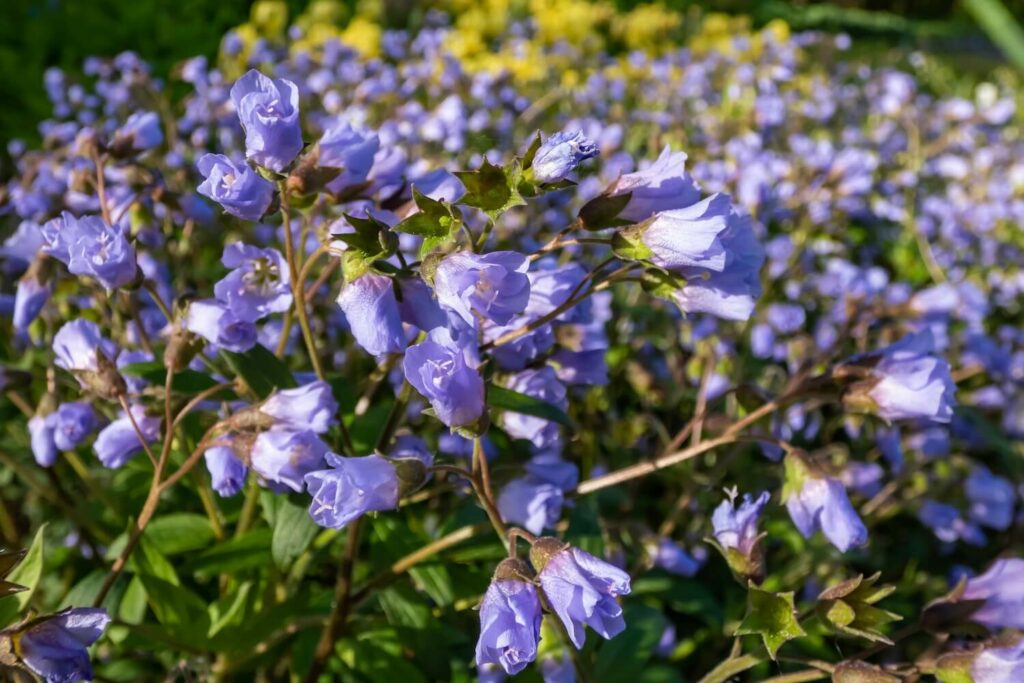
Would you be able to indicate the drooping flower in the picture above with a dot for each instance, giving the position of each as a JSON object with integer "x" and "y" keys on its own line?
{"x": 999, "y": 664}
{"x": 992, "y": 499}
{"x": 78, "y": 344}
{"x": 541, "y": 383}
{"x": 1002, "y": 590}
{"x": 310, "y": 406}
{"x": 729, "y": 293}
{"x": 560, "y": 154}
{"x": 510, "y": 619}
{"x": 580, "y": 589}
{"x": 903, "y": 381}
{"x": 662, "y": 186}
{"x": 284, "y": 458}
{"x": 56, "y": 647}
{"x": 690, "y": 237}
{"x": 268, "y": 109}
{"x": 227, "y": 472}
{"x": 351, "y": 488}
{"x": 72, "y": 423}
{"x": 532, "y": 503}
{"x": 737, "y": 527}
{"x": 118, "y": 442}
{"x": 258, "y": 284}
{"x": 493, "y": 285}
{"x": 239, "y": 190}
{"x": 373, "y": 314}
{"x": 346, "y": 147}
{"x": 90, "y": 247}
{"x": 40, "y": 431}
{"x": 141, "y": 131}
{"x": 673, "y": 558}
{"x": 217, "y": 324}
{"x": 818, "y": 502}
{"x": 445, "y": 373}
{"x": 29, "y": 300}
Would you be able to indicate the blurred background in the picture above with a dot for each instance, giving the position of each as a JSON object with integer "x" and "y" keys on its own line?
{"x": 976, "y": 35}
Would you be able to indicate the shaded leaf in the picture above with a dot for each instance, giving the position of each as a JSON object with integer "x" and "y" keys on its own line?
{"x": 506, "y": 399}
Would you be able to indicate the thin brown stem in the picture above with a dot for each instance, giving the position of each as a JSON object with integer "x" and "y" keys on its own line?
{"x": 297, "y": 285}
{"x": 138, "y": 431}
{"x": 338, "y": 619}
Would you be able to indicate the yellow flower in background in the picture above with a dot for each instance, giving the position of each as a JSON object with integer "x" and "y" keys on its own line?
{"x": 362, "y": 35}
{"x": 647, "y": 27}
{"x": 577, "y": 22}
{"x": 269, "y": 18}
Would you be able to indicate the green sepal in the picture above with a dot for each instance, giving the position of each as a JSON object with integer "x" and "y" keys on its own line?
{"x": 771, "y": 616}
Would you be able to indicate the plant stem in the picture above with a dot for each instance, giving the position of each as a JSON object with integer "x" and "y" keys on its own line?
{"x": 337, "y": 622}
{"x": 731, "y": 667}
{"x": 298, "y": 289}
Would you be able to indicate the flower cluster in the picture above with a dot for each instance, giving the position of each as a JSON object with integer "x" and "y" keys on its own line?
{"x": 408, "y": 289}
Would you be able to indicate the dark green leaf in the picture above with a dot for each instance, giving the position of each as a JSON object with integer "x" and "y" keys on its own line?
{"x": 180, "y": 532}
{"x": 185, "y": 381}
{"x": 293, "y": 531}
{"x": 27, "y": 574}
{"x": 434, "y": 219}
{"x": 261, "y": 370}
{"x": 621, "y": 658}
{"x": 179, "y": 610}
{"x": 506, "y": 399}
{"x": 246, "y": 552}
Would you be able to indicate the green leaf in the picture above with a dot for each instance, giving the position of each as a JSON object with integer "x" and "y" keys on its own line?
{"x": 435, "y": 219}
{"x": 487, "y": 187}
{"x": 771, "y": 616}
{"x": 27, "y": 574}
{"x": 261, "y": 370}
{"x": 506, "y": 399}
{"x": 178, "y": 609}
{"x": 246, "y": 552}
{"x": 997, "y": 21}
{"x": 149, "y": 561}
{"x": 229, "y": 610}
{"x": 180, "y": 532}
{"x": 184, "y": 382}
{"x": 620, "y": 658}
{"x": 85, "y": 591}
{"x": 133, "y": 603}
{"x": 404, "y": 607}
{"x": 294, "y": 529}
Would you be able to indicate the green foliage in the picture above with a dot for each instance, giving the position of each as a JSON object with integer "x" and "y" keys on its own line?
{"x": 771, "y": 616}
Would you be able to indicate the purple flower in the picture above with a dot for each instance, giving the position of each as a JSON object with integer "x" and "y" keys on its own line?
{"x": 541, "y": 383}
{"x": 818, "y": 502}
{"x": 285, "y": 458}
{"x": 510, "y": 617}
{"x": 373, "y": 314}
{"x": 72, "y": 424}
{"x": 351, "y": 488}
{"x": 40, "y": 431}
{"x": 494, "y": 285}
{"x": 268, "y": 110}
{"x": 56, "y": 647}
{"x": 90, "y": 247}
{"x": 948, "y": 524}
{"x": 258, "y": 285}
{"x": 217, "y": 324}
{"x": 580, "y": 589}
{"x": 418, "y": 306}
{"x": 737, "y": 527}
{"x": 558, "y": 669}
{"x": 444, "y": 372}
{"x": 350, "y": 149}
{"x": 580, "y": 367}
{"x": 140, "y": 132}
{"x": 227, "y": 472}
{"x": 560, "y": 154}
{"x": 690, "y": 237}
{"x": 237, "y": 188}
{"x": 1002, "y": 590}
{"x": 78, "y": 344}
{"x": 730, "y": 292}
{"x": 906, "y": 380}
{"x": 673, "y": 558}
{"x": 310, "y": 406}
{"x": 662, "y": 186}
{"x": 29, "y": 299}
{"x": 118, "y": 442}
{"x": 531, "y": 503}
{"x": 999, "y": 664}
{"x": 991, "y": 499}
